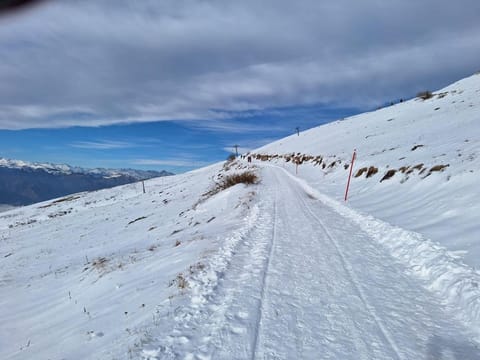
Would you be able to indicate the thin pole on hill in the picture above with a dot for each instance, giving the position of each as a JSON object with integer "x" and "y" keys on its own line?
{"x": 298, "y": 131}
{"x": 143, "y": 185}
{"x": 350, "y": 174}
{"x": 236, "y": 149}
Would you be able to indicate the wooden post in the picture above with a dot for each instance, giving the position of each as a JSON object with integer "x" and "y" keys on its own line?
{"x": 143, "y": 185}
{"x": 350, "y": 174}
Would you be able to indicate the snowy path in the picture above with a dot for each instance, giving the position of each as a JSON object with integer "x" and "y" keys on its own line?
{"x": 306, "y": 283}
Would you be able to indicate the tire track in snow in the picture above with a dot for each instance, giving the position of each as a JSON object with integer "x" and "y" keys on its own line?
{"x": 403, "y": 309}
{"x": 264, "y": 282}
{"x": 213, "y": 317}
{"x": 353, "y": 279}
{"x": 357, "y": 335}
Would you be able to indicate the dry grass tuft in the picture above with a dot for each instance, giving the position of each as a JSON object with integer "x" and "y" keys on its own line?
{"x": 181, "y": 282}
{"x": 372, "y": 170}
{"x": 100, "y": 264}
{"x": 439, "y": 168}
{"x": 360, "y": 172}
{"x": 388, "y": 174}
{"x": 425, "y": 95}
{"x": 246, "y": 177}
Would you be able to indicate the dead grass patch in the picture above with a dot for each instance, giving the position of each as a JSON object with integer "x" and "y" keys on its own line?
{"x": 361, "y": 171}
{"x": 246, "y": 177}
{"x": 425, "y": 95}
{"x": 100, "y": 264}
{"x": 181, "y": 281}
{"x": 439, "y": 168}
{"x": 372, "y": 170}
{"x": 388, "y": 174}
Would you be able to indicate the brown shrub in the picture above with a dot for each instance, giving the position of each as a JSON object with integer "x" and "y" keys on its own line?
{"x": 388, "y": 174}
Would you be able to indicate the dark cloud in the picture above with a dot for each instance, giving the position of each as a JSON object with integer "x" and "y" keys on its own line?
{"x": 94, "y": 62}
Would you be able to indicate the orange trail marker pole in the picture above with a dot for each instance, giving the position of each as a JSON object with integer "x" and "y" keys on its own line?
{"x": 350, "y": 174}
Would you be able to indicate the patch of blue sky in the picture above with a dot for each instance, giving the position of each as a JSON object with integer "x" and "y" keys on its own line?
{"x": 176, "y": 146}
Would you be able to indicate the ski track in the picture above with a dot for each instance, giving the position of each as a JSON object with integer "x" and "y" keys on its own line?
{"x": 300, "y": 281}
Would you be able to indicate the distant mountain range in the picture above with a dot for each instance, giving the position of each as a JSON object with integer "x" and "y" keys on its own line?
{"x": 24, "y": 183}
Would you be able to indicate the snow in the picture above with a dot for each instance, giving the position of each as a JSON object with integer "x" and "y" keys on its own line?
{"x": 443, "y": 206}
{"x": 5, "y": 207}
{"x": 283, "y": 269}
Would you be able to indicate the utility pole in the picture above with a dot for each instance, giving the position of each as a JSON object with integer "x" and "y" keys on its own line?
{"x": 298, "y": 131}
{"x": 236, "y": 149}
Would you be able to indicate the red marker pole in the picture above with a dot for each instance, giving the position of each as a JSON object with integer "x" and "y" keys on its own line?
{"x": 350, "y": 175}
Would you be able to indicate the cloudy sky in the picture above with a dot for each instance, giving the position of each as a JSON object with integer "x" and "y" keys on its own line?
{"x": 88, "y": 80}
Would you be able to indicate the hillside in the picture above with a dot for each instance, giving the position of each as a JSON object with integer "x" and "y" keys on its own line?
{"x": 432, "y": 145}
{"x": 280, "y": 269}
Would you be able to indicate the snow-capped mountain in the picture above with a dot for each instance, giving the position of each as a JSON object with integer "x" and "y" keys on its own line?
{"x": 280, "y": 269}
{"x": 65, "y": 169}
{"x": 23, "y": 183}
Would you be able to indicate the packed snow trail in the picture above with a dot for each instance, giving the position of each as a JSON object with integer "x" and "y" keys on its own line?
{"x": 307, "y": 283}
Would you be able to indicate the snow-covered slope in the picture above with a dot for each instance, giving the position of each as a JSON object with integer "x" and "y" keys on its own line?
{"x": 434, "y": 146}
{"x": 90, "y": 275}
{"x": 282, "y": 269}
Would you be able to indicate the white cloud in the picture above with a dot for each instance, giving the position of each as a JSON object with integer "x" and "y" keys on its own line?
{"x": 99, "y": 62}
{"x": 102, "y": 145}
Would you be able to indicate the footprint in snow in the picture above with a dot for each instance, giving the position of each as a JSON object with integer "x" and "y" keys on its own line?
{"x": 93, "y": 334}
